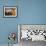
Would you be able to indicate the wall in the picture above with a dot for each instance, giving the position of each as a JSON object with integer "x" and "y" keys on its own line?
{"x": 7, "y": 25}
{"x": 29, "y": 12}
{"x": 33, "y": 11}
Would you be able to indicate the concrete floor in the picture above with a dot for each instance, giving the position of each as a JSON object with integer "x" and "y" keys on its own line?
{"x": 28, "y": 43}
{"x": 32, "y": 43}
{"x": 7, "y": 45}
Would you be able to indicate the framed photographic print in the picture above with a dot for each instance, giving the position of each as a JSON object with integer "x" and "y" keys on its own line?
{"x": 33, "y": 32}
{"x": 10, "y": 11}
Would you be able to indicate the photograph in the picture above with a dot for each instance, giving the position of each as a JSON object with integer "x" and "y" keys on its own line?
{"x": 10, "y": 11}
{"x": 32, "y": 32}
